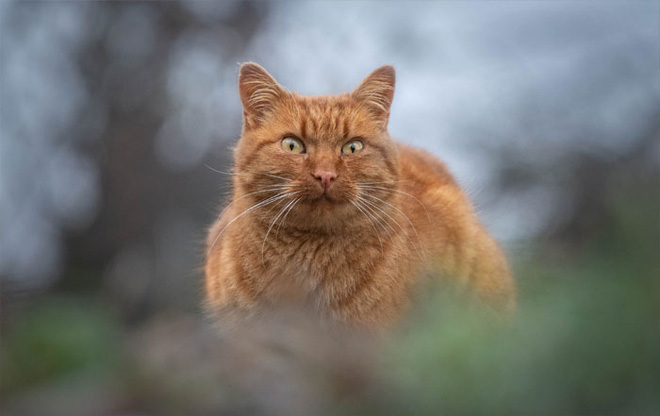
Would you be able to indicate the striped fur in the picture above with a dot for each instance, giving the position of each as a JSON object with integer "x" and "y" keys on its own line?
{"x": 354, "y": 254}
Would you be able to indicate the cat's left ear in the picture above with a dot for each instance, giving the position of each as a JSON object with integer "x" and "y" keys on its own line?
{"x": 259, "y": 93}
{"x": 377, "y": 92}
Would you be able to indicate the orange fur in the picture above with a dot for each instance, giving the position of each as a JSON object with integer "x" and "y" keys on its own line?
{"x": 353, "y": 254}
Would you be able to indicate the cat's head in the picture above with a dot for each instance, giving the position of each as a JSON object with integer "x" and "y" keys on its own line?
{"x": 321, "y": 152}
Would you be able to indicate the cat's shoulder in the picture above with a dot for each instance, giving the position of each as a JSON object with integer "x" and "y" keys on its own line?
{"x": 420, "y": 166}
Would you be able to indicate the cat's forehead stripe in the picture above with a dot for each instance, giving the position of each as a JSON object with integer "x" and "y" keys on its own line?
{"x": 303, "y": 126}
{"x": 345, "y": 128}
{"x": 323, "y": 117}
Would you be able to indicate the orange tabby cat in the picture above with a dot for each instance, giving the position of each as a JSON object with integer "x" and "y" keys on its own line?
{"x": 328, "y": 211}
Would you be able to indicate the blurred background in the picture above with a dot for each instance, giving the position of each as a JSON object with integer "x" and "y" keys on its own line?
{"x": 114, "y": 117}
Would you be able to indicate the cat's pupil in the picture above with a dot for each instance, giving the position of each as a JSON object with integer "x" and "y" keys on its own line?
{"x": 291, "y": 146}
{"x": 353, "y": 148}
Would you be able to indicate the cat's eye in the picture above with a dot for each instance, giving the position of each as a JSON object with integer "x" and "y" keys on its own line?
{"x": 293, "y": 145}
{"x": 352, "y": 147}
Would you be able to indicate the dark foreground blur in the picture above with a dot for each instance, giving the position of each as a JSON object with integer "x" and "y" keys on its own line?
{"x": 584, "y": 341}
{"x": 549, "y": 114}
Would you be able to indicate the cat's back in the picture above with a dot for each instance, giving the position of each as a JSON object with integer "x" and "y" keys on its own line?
{"x": 434, "y": 202}
{"x": 422, "y": 168}
{"x": 428, "y": 180}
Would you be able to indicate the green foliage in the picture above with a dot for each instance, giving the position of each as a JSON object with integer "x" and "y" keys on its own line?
{"x": 585, "y": 340}
{"x": 56, "y": 337}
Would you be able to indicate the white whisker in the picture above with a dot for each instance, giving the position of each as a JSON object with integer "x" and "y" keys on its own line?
{"x": 263, "y": 245}
{"x": 269, "y": 189}
{"x": 375, "y": 206}
{"x": 399, "y": 210}
{"x": 246, "y": 172}
{"x": 369, "y": 206}
{"x": 383, "y": 182}
{"x": 263, "y": 203}
{"x": 359, "y": 208}
{"x": 286, "y": 215}
{"x": 373, "y": 188}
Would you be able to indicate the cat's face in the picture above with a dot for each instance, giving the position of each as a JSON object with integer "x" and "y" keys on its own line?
{"x": 318, "y": 155}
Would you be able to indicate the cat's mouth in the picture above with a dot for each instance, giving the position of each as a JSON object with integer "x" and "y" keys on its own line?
{"x": 326, "y": 198}
{"x": 321, "y": 195}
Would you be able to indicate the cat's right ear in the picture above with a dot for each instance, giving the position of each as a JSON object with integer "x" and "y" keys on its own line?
{"x": 259, "y": 93}
{"x": 377, "y": 92}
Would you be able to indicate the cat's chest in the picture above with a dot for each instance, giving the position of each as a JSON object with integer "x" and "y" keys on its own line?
{"x": 305, "y": 266}
{"x": 313, "y": 256}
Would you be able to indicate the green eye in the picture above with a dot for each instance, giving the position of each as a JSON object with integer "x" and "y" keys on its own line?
{"x": 352, "y": 147}
{"x": 293, "y": 145}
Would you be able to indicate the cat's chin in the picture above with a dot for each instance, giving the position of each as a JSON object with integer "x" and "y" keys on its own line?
{"x": 325, "y": 200}
{"x": 326, "y": 206}
{"x": 322, "y": 214}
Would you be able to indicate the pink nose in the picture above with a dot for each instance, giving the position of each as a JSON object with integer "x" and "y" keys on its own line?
{"x": 326, "y": 178}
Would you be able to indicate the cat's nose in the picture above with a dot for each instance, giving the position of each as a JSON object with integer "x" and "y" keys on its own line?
{"x": 326, "y": 178}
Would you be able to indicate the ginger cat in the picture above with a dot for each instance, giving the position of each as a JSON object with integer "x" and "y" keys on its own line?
{"x": 329, "y": 212}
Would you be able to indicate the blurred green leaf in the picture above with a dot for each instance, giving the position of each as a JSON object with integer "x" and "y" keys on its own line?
{"x": 55, "y": 337}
